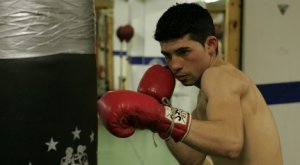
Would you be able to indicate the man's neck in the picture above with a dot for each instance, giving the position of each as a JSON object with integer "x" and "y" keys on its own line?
{"x": 216, "y": 61}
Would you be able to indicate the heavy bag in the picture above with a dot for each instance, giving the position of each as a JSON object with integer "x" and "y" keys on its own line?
{"x": 47, "y": 83}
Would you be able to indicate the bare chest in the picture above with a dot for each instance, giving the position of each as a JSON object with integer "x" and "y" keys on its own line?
{"x": 200, "y": 111}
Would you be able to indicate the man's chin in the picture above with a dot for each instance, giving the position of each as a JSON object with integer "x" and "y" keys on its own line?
{"x": 187, "y": 83}
{"x": 190, "y": 83}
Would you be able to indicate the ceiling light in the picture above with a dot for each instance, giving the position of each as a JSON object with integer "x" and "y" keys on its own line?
{"x": 210, "y": 1}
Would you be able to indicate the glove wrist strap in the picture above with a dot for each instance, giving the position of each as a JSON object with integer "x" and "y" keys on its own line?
{"x": 180, "y": 121}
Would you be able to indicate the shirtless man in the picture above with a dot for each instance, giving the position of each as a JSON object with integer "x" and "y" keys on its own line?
{"x": 231, "y": 122}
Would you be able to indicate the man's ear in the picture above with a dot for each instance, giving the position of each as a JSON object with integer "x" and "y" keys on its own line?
{"x": 211, "y": 44}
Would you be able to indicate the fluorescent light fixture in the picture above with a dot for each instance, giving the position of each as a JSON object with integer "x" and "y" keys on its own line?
{"x": 210, "y": 1}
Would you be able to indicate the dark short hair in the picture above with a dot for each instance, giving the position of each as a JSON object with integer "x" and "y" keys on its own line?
{"x": 185, "y": 19}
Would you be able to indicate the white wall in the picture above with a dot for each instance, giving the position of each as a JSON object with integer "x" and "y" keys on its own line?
{"x": 271, "y": 55}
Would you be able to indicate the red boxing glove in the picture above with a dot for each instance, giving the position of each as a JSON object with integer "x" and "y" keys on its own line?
{"x": 122, "y": 111}
{"x": 158, "y": 82}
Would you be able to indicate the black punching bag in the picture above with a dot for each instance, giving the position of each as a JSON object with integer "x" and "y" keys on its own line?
{"x": 47, "y": 83}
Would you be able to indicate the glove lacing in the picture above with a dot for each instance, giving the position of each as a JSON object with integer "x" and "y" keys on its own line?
{"x": 165, "y": 101}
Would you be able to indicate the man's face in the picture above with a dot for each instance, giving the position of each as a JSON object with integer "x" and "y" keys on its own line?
{"x": 187, "y": 59}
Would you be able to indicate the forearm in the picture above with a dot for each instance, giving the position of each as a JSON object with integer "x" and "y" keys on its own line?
{"x": 215, "y": 138}
{"x": 185, "y": 154}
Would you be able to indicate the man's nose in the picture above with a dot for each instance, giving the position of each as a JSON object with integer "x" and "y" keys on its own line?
{"x": 175, "y": 63}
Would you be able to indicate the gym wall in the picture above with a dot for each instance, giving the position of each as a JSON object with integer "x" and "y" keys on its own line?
{"x": 271, "y": 58}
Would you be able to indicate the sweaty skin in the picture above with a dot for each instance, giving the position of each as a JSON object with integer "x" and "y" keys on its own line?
{"x": 232, "y": 122}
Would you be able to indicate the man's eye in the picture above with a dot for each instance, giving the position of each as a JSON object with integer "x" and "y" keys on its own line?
{"x": 183, "y": 52}
{"x": 167, "y": 56}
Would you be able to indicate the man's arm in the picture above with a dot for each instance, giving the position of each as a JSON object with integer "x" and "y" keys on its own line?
{"x": 184, "y": 154}
{"x": 222, "y": 133}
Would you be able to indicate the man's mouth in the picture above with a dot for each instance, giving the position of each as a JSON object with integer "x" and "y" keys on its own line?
{"x": 181, "y": 77}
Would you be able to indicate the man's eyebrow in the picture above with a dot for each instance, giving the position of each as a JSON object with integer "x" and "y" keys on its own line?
{"x": 176, "y": 51}
{"x": 181, "y": 49}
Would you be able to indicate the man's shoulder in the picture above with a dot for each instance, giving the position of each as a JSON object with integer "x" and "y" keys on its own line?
{"x": 226, "y": 75}
{"x": 222, "y": 71}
